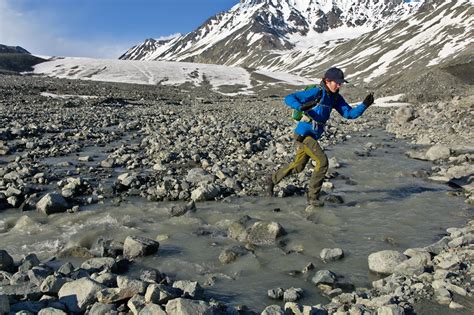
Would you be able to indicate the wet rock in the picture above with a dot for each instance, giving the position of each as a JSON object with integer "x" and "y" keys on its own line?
{"x": 273, "y": 310}
{"x": 265, "y": 233}
{"x": 28, "y": 262}
{"x": 384, "y": 262}
{"x": 109, "y": 248}
{"x": 205, "y": 192}
{"x": 191, "y": 289}
{"x": 79, "y": 294}
{"x": 108, "y": 163}
{"x": 6, "y": 261}
{"x": 76, "y": 251}
{"x": 324, "y": 277}
{"x": 229, "y": 255}
{"x": 136, "y": 246}
{"x": 331, "y": 254}
{"x": 179, "y": 210}
{"x": 439, "y": 246}
{"x": 52, "y": 203}
{"x": 276, "y": 294}
{"x": 292, "y": 294}
{"x": 187, "y": 307}
{"x": 334, "y": 199}
{"x": 414, "y": 265}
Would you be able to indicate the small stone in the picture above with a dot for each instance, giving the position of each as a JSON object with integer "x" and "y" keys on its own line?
{"x": 276, "y": 294}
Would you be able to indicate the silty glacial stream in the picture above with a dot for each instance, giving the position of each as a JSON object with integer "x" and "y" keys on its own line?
{"x": 385, "y": 208}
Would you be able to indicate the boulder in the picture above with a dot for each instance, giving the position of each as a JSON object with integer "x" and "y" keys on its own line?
{"x": 414, "y": 265}
{"x": 131, "y": 284}
{"x": 198, "y": 175}
{"x": 384, "y": 262}
{"x": 273, "y": 310}
{"x": 265, "y": 233}
{"x": 101, "y": 263}
{"x": 438, "y": 152}
{"x": 136, "y": 304}
{"x": 52, "y": 203}
{"x": 191, "y": 289}
{"x": 187, "y": 307}
{"x": 331, "y": 254}
{"x": 324, "y": 277}
{"x": 6, "y": 261}
{"x": 101, "y": 308}
{"x": 79, "y": 294}
{"x": 205, "y": 192}
{"x": 160, "y": 293}
{"x": 114, "y": 295}
{"x": 51, "y": 311}
{"x": 152, "y": 309}
{"x": 292, "y": 294}
{"x": 391, "y": 309}
{"x": 136, "y": 246}
{"x": 52, "y": 284}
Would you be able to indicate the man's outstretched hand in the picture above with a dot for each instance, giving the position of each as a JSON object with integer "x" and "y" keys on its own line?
{"x": 369, "y": 99}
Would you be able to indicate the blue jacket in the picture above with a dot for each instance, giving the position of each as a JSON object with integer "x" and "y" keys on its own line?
{"x": 321, "y": 112}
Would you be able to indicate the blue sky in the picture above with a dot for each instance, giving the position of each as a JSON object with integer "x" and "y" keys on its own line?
{"x": 98, "y": 28}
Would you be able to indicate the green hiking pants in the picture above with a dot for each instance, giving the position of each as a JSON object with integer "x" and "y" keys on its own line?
{"x": 308, "y": 149}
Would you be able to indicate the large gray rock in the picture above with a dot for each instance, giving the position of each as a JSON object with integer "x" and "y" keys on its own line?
{"x": 324, "y": 277}
{"x": 52, "y": 284}
{"x": 330, "y": 254}
{"x": 205, "y": 192}
{"x": 438, "y": 152}
{"x": 51, "y": 311}
{"x": 265, "y": 233}
{"x": 6, "y": 261}
{"x": 160, "y": 293}
{"x": 198, "y": 175}
{"x": 101, "y": 263}
{"x": 52, "y": 203}
{"x": 152, "y": 309}
{"x": 273, "y": 310}
{"x": 101, "y": 308}
{"x": 191, "y": 289}
{"x": 391, "y": 309}
{"x": 79, "y": 294}
{"x": 136, "y": 246}
{"x": 385, "y": 261}
{"x": 414, "y": 265}
{"x": 187, "y": 307}
{"x": 136, "y": 304}
{"x": 132, "y": 285}
{"x": 114, "y": 295}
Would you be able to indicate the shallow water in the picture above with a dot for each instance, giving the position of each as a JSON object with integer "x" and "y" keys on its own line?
{"x": 386, "y": 209}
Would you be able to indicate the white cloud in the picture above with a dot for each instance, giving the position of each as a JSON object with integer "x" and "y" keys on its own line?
{"x": 38, "y": 36}
{"x": 172, "y": 36}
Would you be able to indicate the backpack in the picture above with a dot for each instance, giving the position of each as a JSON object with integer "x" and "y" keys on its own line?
{"x": 297, "y": 115}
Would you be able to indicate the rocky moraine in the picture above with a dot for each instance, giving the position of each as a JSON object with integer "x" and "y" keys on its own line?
{"x": 66, "y": 145}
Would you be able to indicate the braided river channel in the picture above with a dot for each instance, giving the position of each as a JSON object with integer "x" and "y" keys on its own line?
{"x": 385, "y": 207}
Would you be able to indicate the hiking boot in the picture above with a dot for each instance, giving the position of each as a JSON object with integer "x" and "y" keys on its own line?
{"x": 269, "y": 185}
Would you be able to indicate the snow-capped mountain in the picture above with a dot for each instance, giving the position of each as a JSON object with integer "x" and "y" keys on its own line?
{"x": 252, "y": 26}
{"x": 368, "y": 38}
